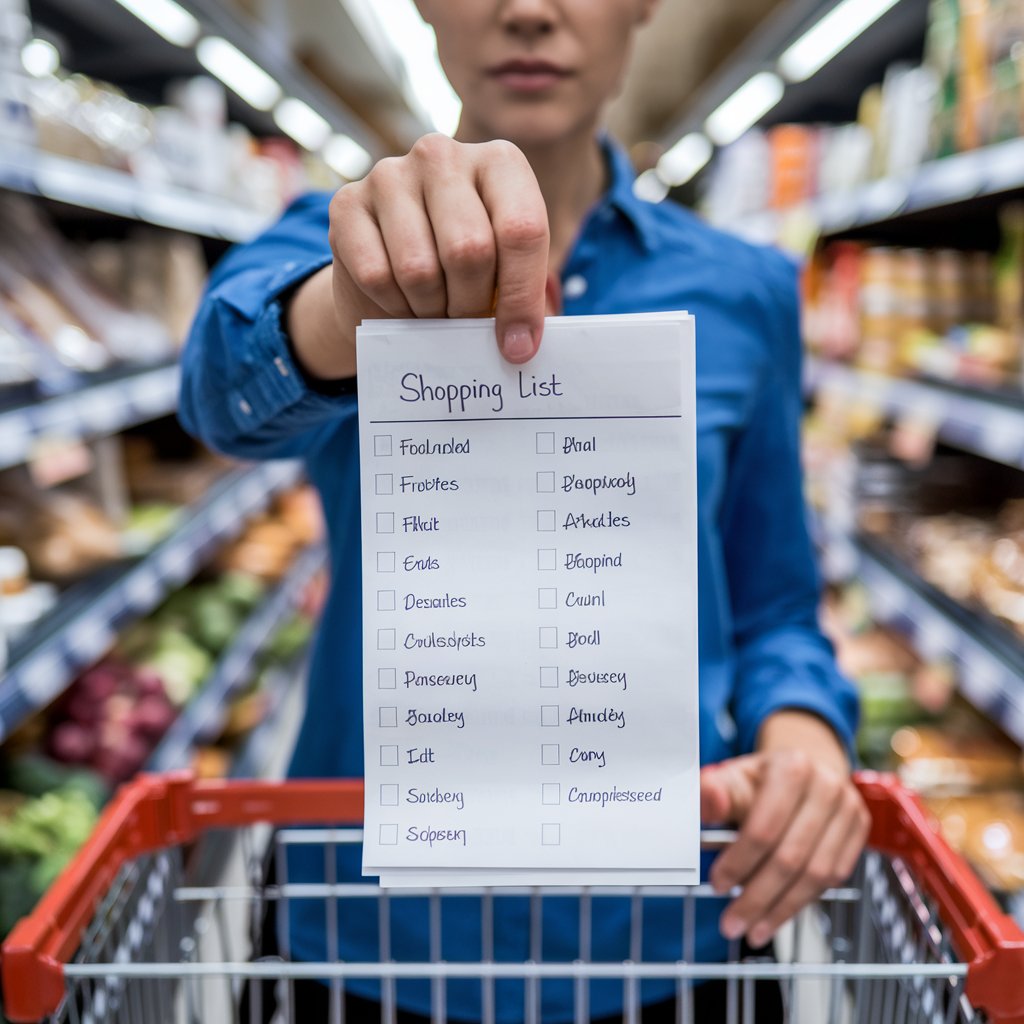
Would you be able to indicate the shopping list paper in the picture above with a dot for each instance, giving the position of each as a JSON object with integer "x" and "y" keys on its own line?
{"x": 530, "y": 603}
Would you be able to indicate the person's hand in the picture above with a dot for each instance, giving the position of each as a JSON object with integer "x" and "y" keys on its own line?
{"x": 449, "y": 230}
{"x": 802, "y": 824}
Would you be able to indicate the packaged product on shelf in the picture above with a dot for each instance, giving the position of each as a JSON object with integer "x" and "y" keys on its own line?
{"x": 63, "y": 533}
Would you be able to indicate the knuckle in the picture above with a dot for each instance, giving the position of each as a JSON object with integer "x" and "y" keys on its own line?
{"x": 470, "y": 252}
{"x": 385, "y": 172}
{"x": 417, "y": 271}
{"x": 433, "y": 146}
{"x": 522, "y": 231}
{"x": 372, "y": 278}
{"x": 796, "y": 765}
{"x": 758, "y": 839}
{"x": 502, "y": 149}
{"x": 788, "y": 861}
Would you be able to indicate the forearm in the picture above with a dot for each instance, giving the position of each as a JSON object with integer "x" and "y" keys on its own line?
{"x": 800, "y": 730}
{"x": 323, "y": 347}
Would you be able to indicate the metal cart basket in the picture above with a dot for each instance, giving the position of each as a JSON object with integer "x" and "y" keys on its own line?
{"x": 127, "y": 934}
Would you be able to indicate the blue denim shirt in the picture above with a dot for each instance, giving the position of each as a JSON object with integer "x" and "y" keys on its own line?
{"x": 761, "y": 649}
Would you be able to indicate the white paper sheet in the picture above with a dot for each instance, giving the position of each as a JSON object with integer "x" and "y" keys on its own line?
{"x": 530, "y": 603}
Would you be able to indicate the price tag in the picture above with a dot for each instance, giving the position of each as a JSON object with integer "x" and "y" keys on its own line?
{"x": 936, "y": 637}
{"x": 15, "y": 438}
{"x": 100, "y": 410}
{"x": 44, "y": 677}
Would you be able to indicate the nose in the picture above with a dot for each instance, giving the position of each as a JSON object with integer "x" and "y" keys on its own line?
{"x": 528, "y": 20}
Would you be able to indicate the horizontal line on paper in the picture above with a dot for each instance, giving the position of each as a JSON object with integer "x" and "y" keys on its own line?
{"x": 537, "y": 419}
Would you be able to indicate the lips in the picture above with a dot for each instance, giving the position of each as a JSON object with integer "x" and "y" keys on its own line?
{"x": 526, "y": 75}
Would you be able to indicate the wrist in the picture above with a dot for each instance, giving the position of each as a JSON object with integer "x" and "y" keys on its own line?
{"x": 792, "y": 729}
{"x": 322, "y": 347}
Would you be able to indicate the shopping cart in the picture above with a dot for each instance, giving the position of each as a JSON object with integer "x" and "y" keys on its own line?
{"x": 128, "y": 935}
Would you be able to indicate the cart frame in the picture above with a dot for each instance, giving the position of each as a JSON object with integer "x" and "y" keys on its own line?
{"x": 155, "y": 812}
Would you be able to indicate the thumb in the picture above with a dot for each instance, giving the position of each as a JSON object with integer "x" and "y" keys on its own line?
{"x": 727, "y": 790}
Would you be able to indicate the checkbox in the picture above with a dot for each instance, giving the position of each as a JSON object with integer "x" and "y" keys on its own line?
{"x": 389, "y": 757}
{"x": 546, "y": 520}
{"x": 389, "y": 795}
{"x": 550, "y": 834}
{"x": 385, "y": 561}
{"x": 549, "y": 753}
{"x": 382, "y": 445}
{"x": 389, "y": 835}
{"x": 550, "y": 793}
{"x": 384, "y": 483}
{"x": 548, "y": 638}
{"x": 545, "y": 444}
{"x": 385, "y": 639}
{"x": 548, "y": 715}
{"x": 549, "y": 677}
{"x": 388, "y": 718}
{"x": 385, "y": 600}
{"x": 385, "y": 522}
{"x": 545, "y": 483}
{"x": 547, "y": 598}
{"x": 387, "y": 679}
{"x": 547, "y": 559}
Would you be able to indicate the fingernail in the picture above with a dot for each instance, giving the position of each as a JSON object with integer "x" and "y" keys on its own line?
{"x": 759, "y": 935}
{"x": 732, "y": 927}
{"x": 517, "y": 344}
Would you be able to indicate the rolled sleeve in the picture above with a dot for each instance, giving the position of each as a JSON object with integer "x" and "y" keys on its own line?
{"x": 784, "y": 660}
{"x": 242, "y": 392}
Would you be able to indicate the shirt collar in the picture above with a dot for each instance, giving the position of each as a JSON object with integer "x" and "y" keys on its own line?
{"x": 621, "y": 196}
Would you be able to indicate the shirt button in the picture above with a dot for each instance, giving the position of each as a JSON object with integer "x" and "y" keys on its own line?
{"x": 245, "y": 407}
{"x": 575, "y": 286}
{"x": 281, "y": 368}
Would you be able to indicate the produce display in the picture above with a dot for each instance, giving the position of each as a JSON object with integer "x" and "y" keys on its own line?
{"x": 946, "y": 314}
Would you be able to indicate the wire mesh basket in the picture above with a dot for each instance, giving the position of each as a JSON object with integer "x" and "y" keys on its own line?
{"x": 135, "y": 932}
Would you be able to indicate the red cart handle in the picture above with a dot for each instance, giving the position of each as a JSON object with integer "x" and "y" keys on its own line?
{"x": 164, "y": 810}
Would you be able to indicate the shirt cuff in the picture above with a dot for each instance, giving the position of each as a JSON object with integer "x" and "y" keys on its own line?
{"x": 274, "y": 383}
{"x": 837, "y": 707}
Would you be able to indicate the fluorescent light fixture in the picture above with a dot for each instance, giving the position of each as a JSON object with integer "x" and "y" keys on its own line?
{"x": 745, "y": 107}
{"x": 682, "y": 162}
{"x": 40, "y": 58}
{"x": 405, "y": 46}
{"x": 302, "y": 123}
{"x": 347, "y": 157}
{"x": 238, "y": 73}
{"x": 830, "y": 36}
{"x": 166, "y": 18}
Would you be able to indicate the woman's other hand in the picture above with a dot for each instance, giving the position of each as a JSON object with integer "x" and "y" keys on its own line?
{"x": 802, "y": 824}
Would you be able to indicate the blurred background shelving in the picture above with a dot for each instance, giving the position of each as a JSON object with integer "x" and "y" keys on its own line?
{"x": 157, "y": 601}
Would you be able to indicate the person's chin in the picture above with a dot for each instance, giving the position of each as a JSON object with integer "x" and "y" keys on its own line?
{"x": 532, "y": 126}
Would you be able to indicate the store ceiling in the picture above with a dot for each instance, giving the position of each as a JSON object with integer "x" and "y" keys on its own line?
{"x": 683, "y": 44}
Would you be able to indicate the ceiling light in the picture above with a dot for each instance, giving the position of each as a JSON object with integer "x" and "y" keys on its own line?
{"x": 407, "y": 49}
{"x": 40, "y": 58}
{"x": 302, "y": 123}
{"x": 238, "y": 73}
{"x": 166, "y": 18}
{"x": 682, "y": 162}
{"x": 836, "y": 30}
{"x": 347, "y": 157}
{"x": 745, "y": 107}
{"x": 649, "y": 187}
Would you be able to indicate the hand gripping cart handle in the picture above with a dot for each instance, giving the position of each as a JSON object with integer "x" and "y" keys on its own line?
{"x": 985, "y": 949}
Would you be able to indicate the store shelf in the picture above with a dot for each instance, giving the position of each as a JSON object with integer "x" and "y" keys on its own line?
{"x": 96, "y": 409}
{"x": 88, "y": 618}
{"x": 203, "y": 718}
{"x": 988, "y": 656}
{"x": 990, "y": 171}
{"x": 987, "y": 424}
{"x": 24, "y": 169}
